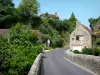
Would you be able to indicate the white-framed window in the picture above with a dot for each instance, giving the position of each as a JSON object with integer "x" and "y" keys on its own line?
{"x": 79, "y": 37}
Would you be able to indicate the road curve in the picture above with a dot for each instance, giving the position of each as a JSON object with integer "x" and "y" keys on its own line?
{"x": 54, "y": 64}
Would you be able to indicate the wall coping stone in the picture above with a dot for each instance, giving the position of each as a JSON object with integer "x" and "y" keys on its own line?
{"x": 36, "y": 65}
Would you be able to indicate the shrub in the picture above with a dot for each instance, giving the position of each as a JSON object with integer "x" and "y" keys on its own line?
{"x": 55, "y": 38}
{"x": 4, "y": 45}
{"x": 76, "y": 51}
{"x": 96, "y": 51}
{"x": 91, "y": 51}
{"x": 87, "y": 51}
{"x": 21, "y": 59}
{"x": 20, "y": 52}
{"x": 46, "y": 47}
{"x": 97, "y": 42}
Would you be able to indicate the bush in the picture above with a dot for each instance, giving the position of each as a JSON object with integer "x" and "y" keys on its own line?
{"x": 55, "y": 30}
{"x": 76, "y": 51}
{"x": 96, "y": 51}
{"x": 91, "y": 51}
{"x": 55, "y": 38}
{"x": 97, "y": 42}
{"x": 4, "y": 56}
{"x": 46, "y": 47}
{"x": 88, "y": 51}
{"x": 23, "y": 49}
{"x": 22, "y": 59}
{"x": 19, "y": 52}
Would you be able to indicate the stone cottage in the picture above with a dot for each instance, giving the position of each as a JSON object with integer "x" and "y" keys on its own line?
{"x": 52, "y": 16}
{"x": 80, "y": 38}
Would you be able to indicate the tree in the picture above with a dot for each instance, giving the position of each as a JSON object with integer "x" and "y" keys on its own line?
{"x": 6, "y": 9}
{"x": 93, "y": 22}
{"x": 30, "y": 6}
{"x": 27, "y": 9}
{"x": 23, "y": 49}
{"x": 73, "y": 18}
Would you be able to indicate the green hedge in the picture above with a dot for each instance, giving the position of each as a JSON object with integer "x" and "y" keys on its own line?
{"x": 76, "y": 51}
{"x": 91, "y": 51}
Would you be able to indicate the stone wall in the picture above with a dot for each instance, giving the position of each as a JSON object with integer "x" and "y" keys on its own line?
{"x": 36, "y": 66}
{"x": 89, "y": 62}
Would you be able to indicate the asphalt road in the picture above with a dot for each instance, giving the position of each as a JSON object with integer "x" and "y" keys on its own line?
{"x": 54, "y": 64}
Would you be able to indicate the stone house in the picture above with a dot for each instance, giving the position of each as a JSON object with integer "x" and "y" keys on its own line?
{"x": 81, "y": 37}
{"x": 52, "y": 16}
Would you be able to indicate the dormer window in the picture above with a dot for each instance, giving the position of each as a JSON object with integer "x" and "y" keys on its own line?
{"x": 77, "y": 38}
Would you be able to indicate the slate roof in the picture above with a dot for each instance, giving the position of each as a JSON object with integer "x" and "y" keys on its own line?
{"x": 3, "y": 31}
{"x": 55, "y": 16}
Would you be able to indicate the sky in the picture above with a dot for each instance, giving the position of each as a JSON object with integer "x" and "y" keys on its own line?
{"x": 83, "y": 9}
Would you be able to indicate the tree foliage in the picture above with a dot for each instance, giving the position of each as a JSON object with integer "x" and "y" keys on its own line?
{"x": 93, "y": 21}
{"x": 56, "y": 30}
{"x": 72, "y": 18}
{"x": 20, "y": 48}
{"x": 6, "y": 13}
{"x": 29, "y": 6}
{"x": 18, "y": 53}
{"x": 96, "y": 30}
{"x": 4, "y": 45}
{"x": 28, "y": 9}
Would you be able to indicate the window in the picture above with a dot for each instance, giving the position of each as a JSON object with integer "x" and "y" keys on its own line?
{"x": 77, "y": 38}
{"x": 80, "y": 37}
{"x": 72, "y": 38}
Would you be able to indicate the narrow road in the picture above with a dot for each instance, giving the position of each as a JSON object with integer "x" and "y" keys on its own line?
{"x": 54, "y": 64}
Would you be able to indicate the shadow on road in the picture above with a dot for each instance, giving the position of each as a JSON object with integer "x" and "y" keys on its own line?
{"x": 41, "y": 72}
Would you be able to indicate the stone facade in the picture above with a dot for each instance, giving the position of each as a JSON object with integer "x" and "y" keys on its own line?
{"x": 80, "y": 38}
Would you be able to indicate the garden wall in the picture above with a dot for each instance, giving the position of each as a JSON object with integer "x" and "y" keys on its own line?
{"x": 89, "y": 62}
{"x": 36, "y": 66}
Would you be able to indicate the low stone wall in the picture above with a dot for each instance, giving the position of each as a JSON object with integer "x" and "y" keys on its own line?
{"x": 36, "y": 66}
{"x": 89, "y": 62}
